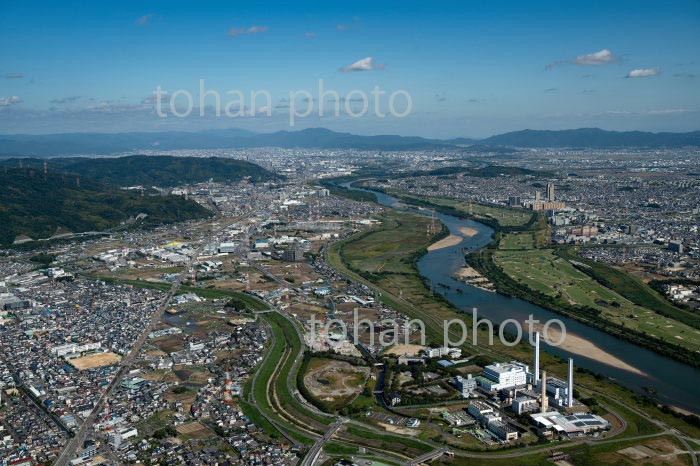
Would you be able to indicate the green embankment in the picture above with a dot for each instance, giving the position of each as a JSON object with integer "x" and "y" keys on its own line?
{"x": 264, "y": 375}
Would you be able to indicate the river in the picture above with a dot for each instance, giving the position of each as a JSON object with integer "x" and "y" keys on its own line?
{"x": 636, "y": 368}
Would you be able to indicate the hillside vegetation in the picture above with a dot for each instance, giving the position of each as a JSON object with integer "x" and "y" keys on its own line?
{"x": 156, "y": 170}
{"x": 39, "y": 206}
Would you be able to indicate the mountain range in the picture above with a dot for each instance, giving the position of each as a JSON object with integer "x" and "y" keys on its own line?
{"x": 112, "y": 143}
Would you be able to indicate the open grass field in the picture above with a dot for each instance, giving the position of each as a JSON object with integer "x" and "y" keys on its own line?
{"x": 661, "y": 451}
{"x": 406, "y": 290}
{"x": 545, "y": 272}
{"x": 384, "y": 257}
{"x": 388, "y": 249}
{"x": 520, "y": 240}
{"x": 272, "y": 392}
{"x": 193, "y": 430}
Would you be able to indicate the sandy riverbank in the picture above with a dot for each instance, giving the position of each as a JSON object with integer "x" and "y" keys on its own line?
{"x": 582, "y": 347}
{"x": 451, "y": 240}
{"x": 471, "y": 277}
{"x": 467, "y": 272}
{"x": 468, "y": 232}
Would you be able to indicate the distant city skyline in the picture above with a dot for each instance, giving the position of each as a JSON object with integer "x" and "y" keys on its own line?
{"x": 472, "y": 69}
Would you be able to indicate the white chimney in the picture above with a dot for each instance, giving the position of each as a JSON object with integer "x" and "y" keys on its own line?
{"x": 543, "y": 384}
{"x": 570, "y": 393}
{"x": 537, "y": 358}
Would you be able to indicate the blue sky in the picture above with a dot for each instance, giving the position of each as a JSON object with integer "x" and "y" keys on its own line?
{"x": 472, "y": 68}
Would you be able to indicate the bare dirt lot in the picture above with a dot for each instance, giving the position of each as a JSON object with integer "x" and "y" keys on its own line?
{"x": 95, "y": 360}
{"x": 662, "y": 451}
{"x": 400, "y": 350}
{"x": 193, "y": 430}
{"x": 332, "y": 380}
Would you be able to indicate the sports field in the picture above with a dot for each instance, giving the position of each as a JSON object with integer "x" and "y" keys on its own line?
{"x": 95, "y": 360}
{"x": 521, "y": 240}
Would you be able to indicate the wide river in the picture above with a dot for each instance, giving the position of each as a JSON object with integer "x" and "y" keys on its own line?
{"x": 632, "y": 366}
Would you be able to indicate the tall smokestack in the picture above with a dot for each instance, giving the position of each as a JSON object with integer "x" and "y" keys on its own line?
{"x": 570, "y": 392}
{"x": 537, "y": 357}
{"x": 545, "y": 401}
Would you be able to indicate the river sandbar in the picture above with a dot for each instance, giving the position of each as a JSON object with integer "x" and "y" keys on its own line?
{"x": 451, "y": 240}
{"x": 468, "y": 232}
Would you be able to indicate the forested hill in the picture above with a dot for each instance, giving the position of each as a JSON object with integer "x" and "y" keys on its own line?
{"x": 156, "y": 170}
{"x": 39, "y": 206}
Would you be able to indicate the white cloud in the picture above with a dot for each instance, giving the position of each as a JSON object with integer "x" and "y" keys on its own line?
{"x": 144, "y": 20}
{"x": 66, "y": 100}
{"x": 668, "y": 111}
{"x": 235, "y": 32}
{"x": 153, "y": 98}
{"x": 602, "y": 57}
{"x": 366, "y": 64}
{"x": 9, "y": 101}
{"x": 354, "y": 24}
{"x": 14, "y": 76}
{"x": 644, "y": 73}
{"x": 651, "y": 112}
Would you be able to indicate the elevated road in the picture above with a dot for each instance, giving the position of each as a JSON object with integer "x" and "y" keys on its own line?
{"x": 433, "y": 455}
{"x": 316, "y": 449}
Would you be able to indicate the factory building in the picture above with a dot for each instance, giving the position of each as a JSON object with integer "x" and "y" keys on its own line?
{"x": 465, "y": 386}
{"x": 573, "y": 425}
{"x": 483, "y": 413}
{"x": 226, "y": 248}
{"x": 524, "y": 404}
{"x": 503, "y": 376}
{"x": 503, "y": 431}
{"x": 488, "y": 417}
